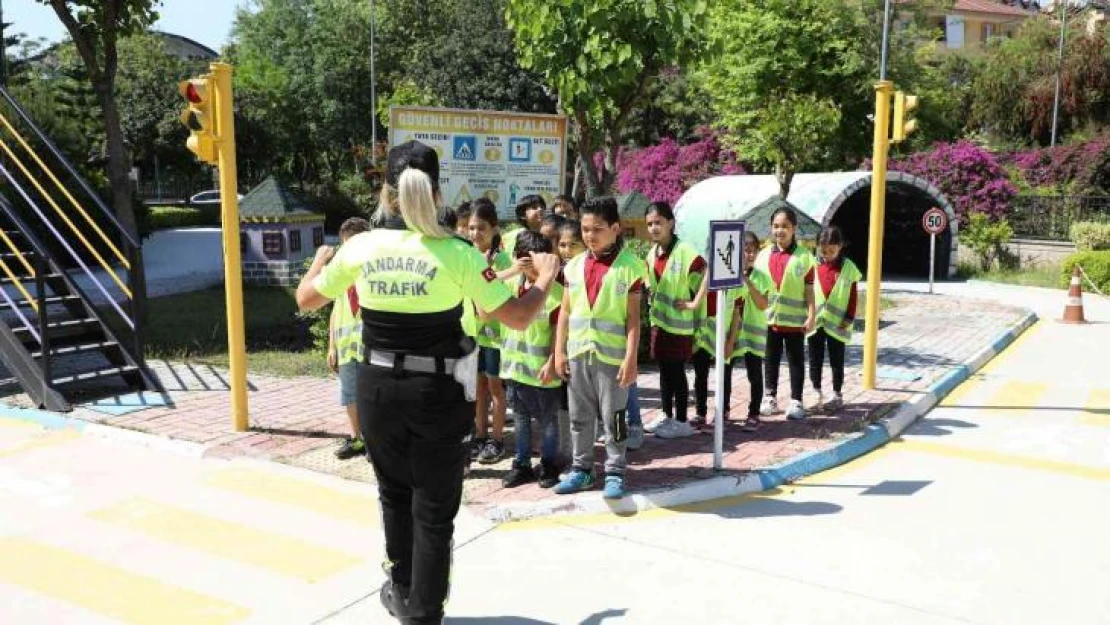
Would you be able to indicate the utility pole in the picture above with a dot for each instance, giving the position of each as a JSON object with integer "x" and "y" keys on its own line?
{"x": 1059, "y": 68}
{"x": 373, "y": 92}
{"x": 3, "y": 50}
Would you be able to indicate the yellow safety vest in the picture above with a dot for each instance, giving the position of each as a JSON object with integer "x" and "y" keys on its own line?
{"x": 524, "y": 352}
{"x": 752, "y": 337}
{"x": 677, "y": 283}
{"x": 347, "y": 327}
{"x": 488, "y": 333}
{"x": 832, "y": 312}
{"x": 601, "y": 329}
{"x": 706, "y": 336}
{"x": 787, "y": 304}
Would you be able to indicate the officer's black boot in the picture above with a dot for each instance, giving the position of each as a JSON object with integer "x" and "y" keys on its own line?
{"x": 395, "y": 600}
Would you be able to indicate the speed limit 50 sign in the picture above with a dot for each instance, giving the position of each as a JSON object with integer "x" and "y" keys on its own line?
{"x": 935, "y": 221}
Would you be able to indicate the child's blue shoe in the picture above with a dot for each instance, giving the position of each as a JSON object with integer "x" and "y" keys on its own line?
{"x": 614, "y": 487}
{"x": 577, "y": 481}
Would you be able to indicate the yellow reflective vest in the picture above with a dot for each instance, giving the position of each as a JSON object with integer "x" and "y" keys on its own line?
{"x": 677, "y": 283}
{"x": 601, "y": 329}
{"x": 833, "y": 310}
{"x": 525, "y": 352}
{"x": 787, "y": 304}
{"x": 752, "y": 337}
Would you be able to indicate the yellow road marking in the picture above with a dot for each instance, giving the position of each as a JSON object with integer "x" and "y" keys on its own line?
{"x": 957, "y": 396}
{"x": 608, "y": 518}
{"x": 1012, "y": 460}
{"x": 108, "y": 590}
{"x": 17, "y": 424}
{"x": 279, "y": 553}
{"x": 1015, "y": 397}
{"x": 56, "y": 437}
{"x": 298, "y": 493}
{"x": 1097, "y": 410}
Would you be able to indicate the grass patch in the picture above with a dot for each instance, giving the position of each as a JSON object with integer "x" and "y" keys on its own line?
{"x": 1044, "y": 275}
{"x": 193, "y": 327}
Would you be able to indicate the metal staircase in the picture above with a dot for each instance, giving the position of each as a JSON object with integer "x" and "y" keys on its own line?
{"x": 71, "y": 281}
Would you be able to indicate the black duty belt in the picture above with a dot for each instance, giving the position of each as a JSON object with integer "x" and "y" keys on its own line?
{"x": 409, "y": 362}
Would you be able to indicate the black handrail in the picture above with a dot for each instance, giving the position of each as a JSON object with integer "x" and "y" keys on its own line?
{"x": 132, "y": 238}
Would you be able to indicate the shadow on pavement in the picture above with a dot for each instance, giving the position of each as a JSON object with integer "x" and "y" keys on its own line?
{"x": 758, "y": 507}
{"x": 939, "y": 427}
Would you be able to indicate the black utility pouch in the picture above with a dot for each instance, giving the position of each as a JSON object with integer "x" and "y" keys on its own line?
{"x": 619, "y": 426}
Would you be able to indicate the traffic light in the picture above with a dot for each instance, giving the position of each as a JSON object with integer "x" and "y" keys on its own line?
{"x": 904, "y": 124}
{"x": 199, "y": 117}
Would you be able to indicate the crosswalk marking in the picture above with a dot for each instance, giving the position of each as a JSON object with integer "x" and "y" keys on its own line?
{"x": 282, "y": 554}
{"x": 1097, "y": 410}
{"x": 106, "y": 589}
{"x": 49, "y": 439}
{"x": 1013, "y": 460}
{"x": 1015, "y": 397}
{"x": 297, "y": 492}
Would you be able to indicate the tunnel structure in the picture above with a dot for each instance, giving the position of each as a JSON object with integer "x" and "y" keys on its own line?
{"x": 842, "y": 199}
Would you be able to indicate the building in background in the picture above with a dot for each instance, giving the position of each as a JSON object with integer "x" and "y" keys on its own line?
{"x": 278, "y": 232}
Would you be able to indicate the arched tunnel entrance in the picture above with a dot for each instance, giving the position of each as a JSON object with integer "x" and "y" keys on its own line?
{"x": 905, "y": 244}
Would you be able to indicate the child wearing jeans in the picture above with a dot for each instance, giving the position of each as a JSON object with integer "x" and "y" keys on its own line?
{"x": 836, "y": 296}
{"x": 791, "y": 311}
{"x": 747, "y": 334}
{"x": 528, "y": 365}
{"x": 345, "y": 349}
{"x": 596, "y": 345}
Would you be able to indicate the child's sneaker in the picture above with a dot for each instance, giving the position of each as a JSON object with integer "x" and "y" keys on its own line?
{"x": 351, "y": 448}
{"x": 662, "y": 430}
{"x": 614, "y": 487}
{"x": 769, "y": 406}
{"x": 492, "y": 452}
{"x": 652, "y": 425}
{"x": 836, "y": 403}
{"x": 680, "y": 429}
{"x": 518, "y": 475}
{"x": 795, "y": 412}
{"x": 548, "y": 474}
{"x": 476, "y": 447}
{"x": 577, "y": 481}
{"x": 820, "y": 401}
{"x": 635, "y": 437}
{"x": 699, "y": 421}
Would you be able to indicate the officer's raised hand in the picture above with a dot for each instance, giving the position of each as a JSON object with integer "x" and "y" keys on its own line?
{"x": 546, "y": 265}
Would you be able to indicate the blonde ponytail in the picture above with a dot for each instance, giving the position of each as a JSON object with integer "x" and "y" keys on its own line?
{"x": 415, "y": 201}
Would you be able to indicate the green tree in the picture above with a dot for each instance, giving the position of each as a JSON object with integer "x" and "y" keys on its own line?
{"x": 1013, "y": 93}
{"x": 600, "y": 57}
{"x": 809, "y": 58}
{"x": 788, "y": 137}
{"x": 96, "y": 26}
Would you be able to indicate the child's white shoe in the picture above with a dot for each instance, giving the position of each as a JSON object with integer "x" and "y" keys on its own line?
{"x": 769, "y": 406}
{"x": 795, "y": 412}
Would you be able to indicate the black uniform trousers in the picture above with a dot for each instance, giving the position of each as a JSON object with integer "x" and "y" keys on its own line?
{"x": 415, "y": 425}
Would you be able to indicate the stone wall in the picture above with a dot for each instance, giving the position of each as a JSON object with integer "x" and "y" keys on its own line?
{"x": 1032, "y": 252}
{"x": 273, "y": 273}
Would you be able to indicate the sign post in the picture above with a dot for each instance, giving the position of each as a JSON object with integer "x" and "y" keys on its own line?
{"x": 726, "y": 271}
{"x": 935, "y": 221}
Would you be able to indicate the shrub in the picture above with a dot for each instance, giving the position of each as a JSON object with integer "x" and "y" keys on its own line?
{"x": 1081, "y": 169}
{"x": 1090, "y": 236}
{"x": 986, "y": 238}
{"x": 663, "y": 172}
{"x": 1095, "y": 264}
{"x": 969, "y": 176}
{"x": 163, "y": 217}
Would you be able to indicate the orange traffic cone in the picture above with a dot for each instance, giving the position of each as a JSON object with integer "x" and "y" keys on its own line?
{"x": 1073, "y": 312}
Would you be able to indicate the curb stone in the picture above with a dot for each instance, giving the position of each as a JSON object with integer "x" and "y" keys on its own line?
{"x": 872, "y": 437}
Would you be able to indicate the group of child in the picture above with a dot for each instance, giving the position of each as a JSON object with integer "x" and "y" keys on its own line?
{"x": 580, "y": 354}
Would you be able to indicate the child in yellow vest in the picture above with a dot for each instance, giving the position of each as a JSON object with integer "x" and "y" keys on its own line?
{"x": 836, "y": 299}
{"x": 596, "y": 345}
{"x": 528, "y": 365}
{"x": 490, "y": 403}
{"x": 791, "y": 312}
{"x": 345, "y": 349}
{"x": 747, "y": 334}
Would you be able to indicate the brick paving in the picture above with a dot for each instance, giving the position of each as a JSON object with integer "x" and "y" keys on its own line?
{"x": 298, "y": 420}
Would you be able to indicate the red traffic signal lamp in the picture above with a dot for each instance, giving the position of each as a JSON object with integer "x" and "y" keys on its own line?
{"x": 199, "y": 117}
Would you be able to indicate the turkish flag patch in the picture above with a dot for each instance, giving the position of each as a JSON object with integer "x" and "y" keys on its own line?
{"x": 489, "y": 274}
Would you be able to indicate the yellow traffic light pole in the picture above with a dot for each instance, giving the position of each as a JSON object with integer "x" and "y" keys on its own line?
{"x": 233, "y": 266}
{"x": 884, "y": 89}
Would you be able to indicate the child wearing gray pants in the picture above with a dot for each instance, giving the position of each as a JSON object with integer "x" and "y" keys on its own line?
{"x": 594, "y": 385}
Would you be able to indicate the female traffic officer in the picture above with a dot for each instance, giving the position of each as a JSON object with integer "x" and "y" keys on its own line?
{"x": 417, "y": 378}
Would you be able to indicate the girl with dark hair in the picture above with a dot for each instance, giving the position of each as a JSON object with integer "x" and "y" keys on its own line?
{"x": 747, "y": 334}
{"x": 791, "y": 311}
{"x": 529, "y": 211}
{"x": 550, "y": 227}
{"x": 570, "y": 240}
{"x": 487, "y": 449}
{"x": 676, "y": 279}
{"x": 835, "y": 298}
